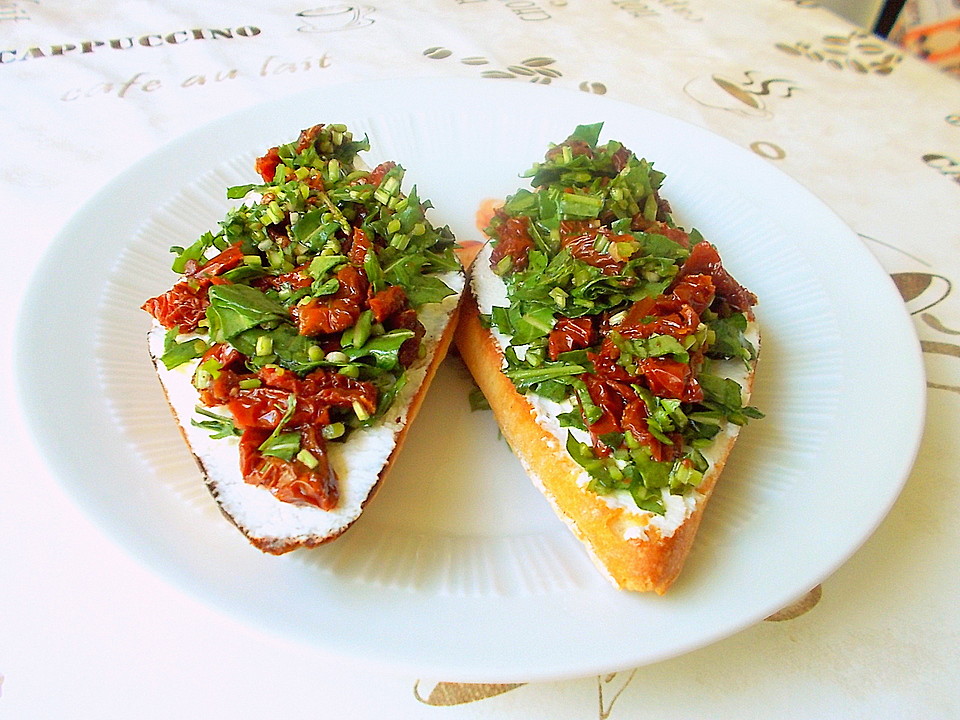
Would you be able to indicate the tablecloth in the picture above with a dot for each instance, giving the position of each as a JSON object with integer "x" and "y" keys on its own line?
{"x": 88, "y": 88}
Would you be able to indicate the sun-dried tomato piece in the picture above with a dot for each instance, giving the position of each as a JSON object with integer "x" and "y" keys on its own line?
{"x": 388, "y": 302}
{"x": 634, "y": 421}
{"x": 604, "y": 396}
{"x": 379, "y": 172}
{"x": 262, "y": 407}
{"x": 315, "y": 394}
{"x": 576, "y": 145}
{"x": 308, "y": 137}
{"x": 360, "y": 245}
{"x": 228, "y": 259}
{"x": 228, "y": 368}
{"x": 620, "y": 158}
{"x": 605, "y": 363}
{"x": 407, "y": 320}
{"x": 669, "y": 378}
{"x": 580, "y": 237}
{"x": 705, "y": 260}
{"x": 570, "y": 334}
{"x": 291, "y": 481}
{"x": 697, "y": 291}
{"x": 514, "y": 241}
{"x": 333, "y": 389}
{"x": 321, "y": 316}
{"x": 184, "y": 305}
{"x": 266, "y": 165}
{"x": 665, "y": 315}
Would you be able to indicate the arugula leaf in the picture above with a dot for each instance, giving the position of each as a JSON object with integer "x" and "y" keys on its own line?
{"x": 536, "y": 323}
{"x": 422, "y": 289}
{"x": 383, "y": 349}
{"x": 590, "y": 134}
{"x": 660, "y": 246}
{"x": 289, "y": 349}
{"x": 371, "y": 266}
{"x": 193, "y": 252}
{"x": 235, "y": 308}
{"x": 283, "y": 445}
{"x": 312, "y": 231}
{"x": 177, "y": 353}
{"x": 406, "y": 271}
{"x": 583, "y": 455}
{"x": 524, "y": 378}
{"x": 388, "y": 393}
{"x": 729, "y": 341}
{"x": 238, "y": 192}
{"x": 572, "y": 419}
{"x": 726, "y": 396}
{"x": 553, "y": 389}
{"x": 280, "y": 444}
{"x": 220, "y": 426}
{"x": 478, "y": 401}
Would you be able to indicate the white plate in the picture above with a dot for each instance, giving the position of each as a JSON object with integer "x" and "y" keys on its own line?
{"x": 458, "y": 570}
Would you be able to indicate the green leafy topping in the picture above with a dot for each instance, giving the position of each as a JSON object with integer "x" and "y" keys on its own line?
{"x": 298, "y": 228}
{"x": 729, "y": 340}
{"x": 724, "y": 396}
{"x": 236, "y": 308}
{"x": 219, "y": 426}
{"x": 603, "y": 242}
{"x": 383, "y": 350}
{"x": 177, "y": 353}
{"x": 283, "y": 445}
{"x": 478, "y": 401}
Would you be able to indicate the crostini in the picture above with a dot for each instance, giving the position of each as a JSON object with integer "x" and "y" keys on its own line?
{"x": 298, "y": 342}
{"x": 616, "y": 353}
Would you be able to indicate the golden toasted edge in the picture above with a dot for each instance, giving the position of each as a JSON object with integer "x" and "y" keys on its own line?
{"x": 651, "y": 563}
{"x": 281, "y": 545}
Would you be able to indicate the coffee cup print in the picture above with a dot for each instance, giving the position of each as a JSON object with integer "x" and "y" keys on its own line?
{"x": 748, "y": 97}
{"x": 332, "y": 18}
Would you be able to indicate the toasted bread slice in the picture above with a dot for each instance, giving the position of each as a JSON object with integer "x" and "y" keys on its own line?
{"x": 298, "y": 343}
{"x": 616, "y": 353}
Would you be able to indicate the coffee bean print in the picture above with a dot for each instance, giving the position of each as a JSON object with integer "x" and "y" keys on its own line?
{"x": 437, "y": 53}
{"x": 859, "y": 51}
{"x": 800, "y": 607}
{"x": 597, "y": 88}
{"x": 445, "y": 694}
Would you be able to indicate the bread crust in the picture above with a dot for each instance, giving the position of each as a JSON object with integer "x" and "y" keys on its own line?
{"x": 276, "y": 545}
{"x": 640, "y": 564}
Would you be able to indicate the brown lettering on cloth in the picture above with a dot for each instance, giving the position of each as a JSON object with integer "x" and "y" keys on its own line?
{"x": 946, "y": 165}
{"x": 526, "y": 9}
{"x": 149, "y": 40}
{"x": 275, "y": 65}
{"x": 144, "y": 82}
{"x": 140, "y": 81}
{"x": 13, "y": 10}
{"x": 651, "y": 8}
